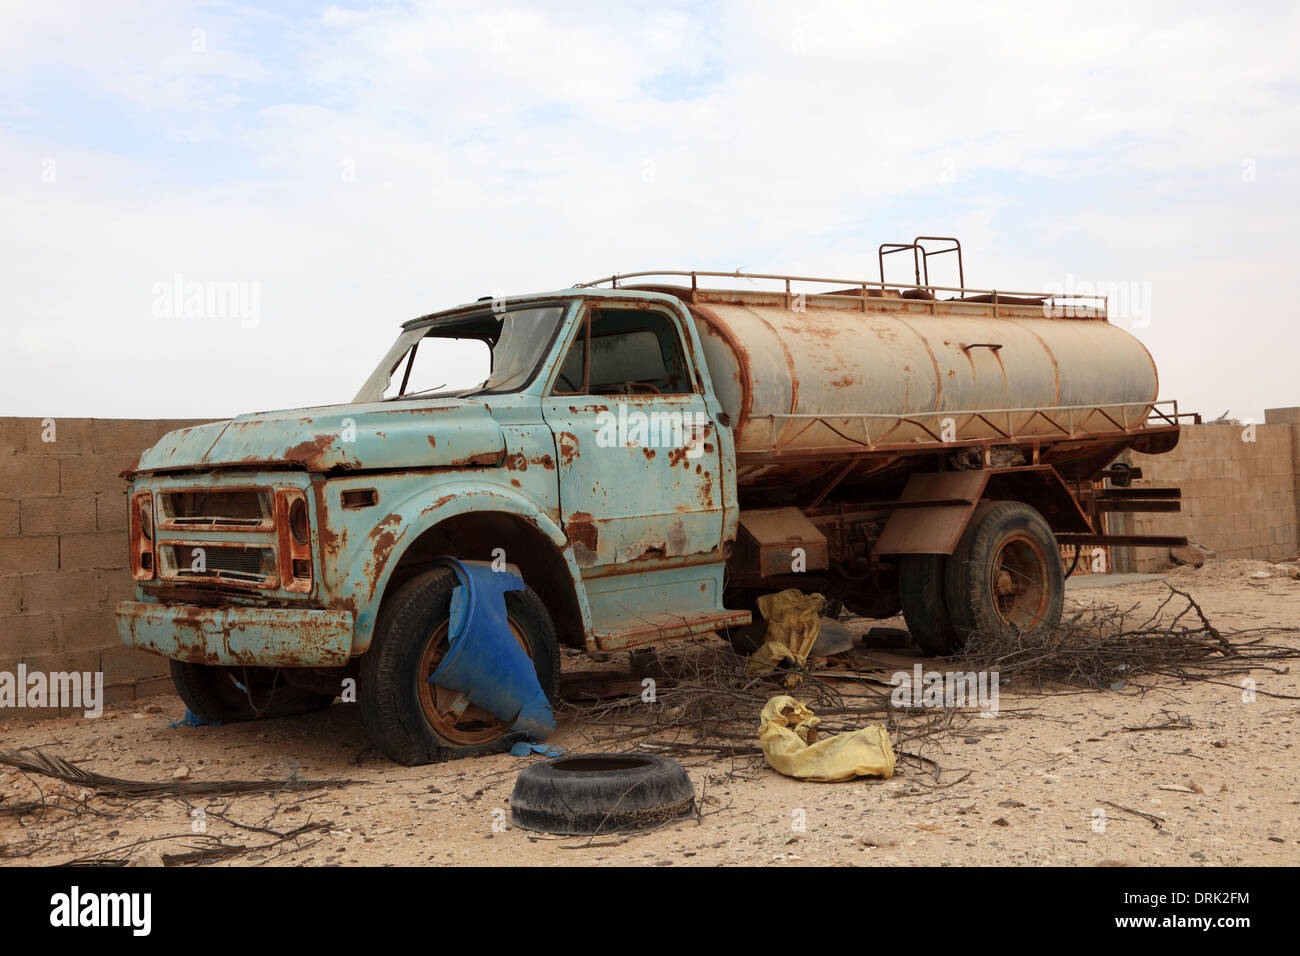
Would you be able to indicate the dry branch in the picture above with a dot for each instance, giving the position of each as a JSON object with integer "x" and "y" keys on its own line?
{"x": 37, "y": 761}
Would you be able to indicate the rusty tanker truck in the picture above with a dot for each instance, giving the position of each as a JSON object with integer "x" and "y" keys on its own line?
{"x": 645, "y": 455}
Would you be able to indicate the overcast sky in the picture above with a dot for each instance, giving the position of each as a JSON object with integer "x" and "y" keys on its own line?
{"x": 350, "y": 166}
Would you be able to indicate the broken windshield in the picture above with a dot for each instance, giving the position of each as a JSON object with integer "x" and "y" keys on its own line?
{"x": 481, "y": 353}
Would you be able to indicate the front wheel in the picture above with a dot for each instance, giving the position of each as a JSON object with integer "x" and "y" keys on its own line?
{"x": 414, "y": 721}
{"x": 1005, "y": 573}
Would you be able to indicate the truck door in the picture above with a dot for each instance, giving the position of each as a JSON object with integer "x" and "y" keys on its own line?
{"x": 639, "y": 460}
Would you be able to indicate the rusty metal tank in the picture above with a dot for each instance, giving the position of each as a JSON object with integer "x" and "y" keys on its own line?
{"x": 877, "y": 376}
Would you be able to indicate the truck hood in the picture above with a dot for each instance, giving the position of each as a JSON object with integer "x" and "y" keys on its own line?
{"x": 425, "y": 434}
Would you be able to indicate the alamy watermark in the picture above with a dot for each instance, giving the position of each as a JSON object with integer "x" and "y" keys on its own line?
{"x": 1124, "y": 301}
{"x": 72, "y": 690}
{"x": 656, "y": 429}
{"x": 185, "y": 299}
{"x": 923, "y": 688}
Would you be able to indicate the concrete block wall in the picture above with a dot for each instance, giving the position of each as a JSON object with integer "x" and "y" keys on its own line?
{"x": 63, "y": 549}
{"x": 1240, "y": 496}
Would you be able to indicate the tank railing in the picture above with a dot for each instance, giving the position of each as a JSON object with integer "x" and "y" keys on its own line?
{"x": 1050, "y": 300}
{"x": 953, "y": 427}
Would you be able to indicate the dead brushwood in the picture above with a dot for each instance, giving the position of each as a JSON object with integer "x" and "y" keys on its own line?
{"x": 1104, "y": 645}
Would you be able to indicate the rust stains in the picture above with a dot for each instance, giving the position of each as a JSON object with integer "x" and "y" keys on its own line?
{"x": 648, "y": 452}
{"x": 584, "y": 535}
{"x": 705, "y": 493}
{"x": 385, "y": 537}
{"x": 483, "y": 458}
{"x": 308, "y": 453}
{"x": 568, "y": 444}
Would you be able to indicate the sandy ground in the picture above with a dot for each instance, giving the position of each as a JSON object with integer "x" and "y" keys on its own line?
{"x": 1039, "y": 772}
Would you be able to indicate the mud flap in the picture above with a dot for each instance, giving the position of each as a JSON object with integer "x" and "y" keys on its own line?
{"x": 484, "y": 660}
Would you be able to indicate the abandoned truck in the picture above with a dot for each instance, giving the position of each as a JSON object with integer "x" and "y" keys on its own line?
{"x": 647, "y": 454}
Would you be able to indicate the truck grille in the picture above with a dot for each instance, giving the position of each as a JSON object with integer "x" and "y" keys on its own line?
{"x": 202, "y": 508}
{"x": 220, "y": 562}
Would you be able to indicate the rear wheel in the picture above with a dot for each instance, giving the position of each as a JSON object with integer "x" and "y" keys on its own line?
{"x": 921, "y": 591}
{"x": 414, "y": 721}
{"x": 1006, "y": 572}
{"x": 230, "y": 694}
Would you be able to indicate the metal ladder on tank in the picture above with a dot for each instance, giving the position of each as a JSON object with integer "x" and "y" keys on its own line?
{"x": 921, "y": 263}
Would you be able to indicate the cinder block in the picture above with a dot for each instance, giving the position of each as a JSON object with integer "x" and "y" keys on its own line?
{"x": 58, "y": 515}
{"x": 12, "y": 437}
{"x": 64, "y": 661}
{"x": 122, "y": 663}
{"x": 111, "y": 510}
{"x": 9, "y": 524}
{"x": 11, "y": 596}
{"x": 119, "y": 693}
{"x": 18, "y": 555}
{"x": 88, "y": 629}
{"x": 24, "y": 476}
{"x": 90, "y": 474}
{"x": 28, "y": 635}
{"x": 59, "y": 591}
{"x": 114, "y": 586}
{"x": 130, "y": 436}
{"x": 99, "y": 549}
{"x": 153, "y": 686}
{"x": 56, "y": 436}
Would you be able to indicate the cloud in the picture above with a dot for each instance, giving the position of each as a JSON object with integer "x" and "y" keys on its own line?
{"x": 364, "y": 163}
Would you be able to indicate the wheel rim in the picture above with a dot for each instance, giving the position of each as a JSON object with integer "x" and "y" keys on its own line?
{"x": 450, "y": 715}
{"x": 1018, "y": 584}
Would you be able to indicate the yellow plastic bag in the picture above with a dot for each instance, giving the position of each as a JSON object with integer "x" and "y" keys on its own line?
{"x": 787, "y": 732}
{"x": 793, "y": 623}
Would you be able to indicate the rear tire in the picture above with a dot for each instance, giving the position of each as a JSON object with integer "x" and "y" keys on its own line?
{"x": 222, "y": 694}
{"x": 921, "y": 591}
{"x": 406, "y": 716}
{"x": 1006, "y": 572}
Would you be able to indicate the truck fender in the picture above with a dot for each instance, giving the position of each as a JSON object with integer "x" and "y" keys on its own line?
{"x": 935, "y": 507}
{"x": 368, "y": 576}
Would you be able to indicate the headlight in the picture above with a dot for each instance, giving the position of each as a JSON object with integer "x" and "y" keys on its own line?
{"x": 298, "y": 521}
{"x": 141, "y": 536}
{"x": 295, "y": 540}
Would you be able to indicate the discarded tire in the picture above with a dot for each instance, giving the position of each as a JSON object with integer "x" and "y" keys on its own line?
{"x": 601, "y": 793}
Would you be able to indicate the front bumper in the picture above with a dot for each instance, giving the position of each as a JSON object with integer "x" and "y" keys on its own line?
{"x": 235, "y": 635}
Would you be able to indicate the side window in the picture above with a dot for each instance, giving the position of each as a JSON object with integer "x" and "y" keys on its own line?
{"x": 625, "y": 352}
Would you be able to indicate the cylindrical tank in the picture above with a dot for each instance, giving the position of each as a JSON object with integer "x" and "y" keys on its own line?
{"x": 911, "y": 358}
